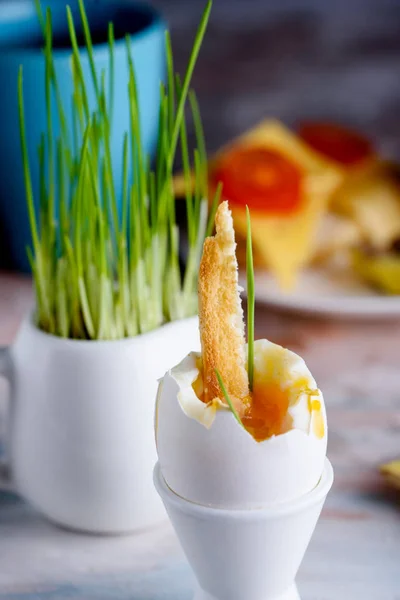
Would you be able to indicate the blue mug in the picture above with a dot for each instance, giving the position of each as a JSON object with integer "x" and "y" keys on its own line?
{"x": 21, "y": 43}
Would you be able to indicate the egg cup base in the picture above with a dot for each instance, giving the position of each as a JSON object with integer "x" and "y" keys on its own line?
{"x": 291, "y": 594}
{"x": 245, "y": 554}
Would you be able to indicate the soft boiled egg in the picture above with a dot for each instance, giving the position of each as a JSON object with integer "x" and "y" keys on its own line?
{"x": 275, "y": 454}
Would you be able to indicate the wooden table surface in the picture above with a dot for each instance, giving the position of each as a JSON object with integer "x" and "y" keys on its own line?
{"x": 355, "y": 552}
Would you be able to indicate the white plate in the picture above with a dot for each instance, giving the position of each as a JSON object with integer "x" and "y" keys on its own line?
{"x": 335, "y": 293}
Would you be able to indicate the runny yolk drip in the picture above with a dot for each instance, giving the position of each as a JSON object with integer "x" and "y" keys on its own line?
{"x": 267, "y": 412}
{"x": 197, "y": 384}
{"x": 317, "y": 419}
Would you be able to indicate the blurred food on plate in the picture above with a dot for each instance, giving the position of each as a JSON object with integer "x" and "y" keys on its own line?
{"x": 338, "y": 143}
{"x": 391, "y": 473}
{"x": 320, "y": 195}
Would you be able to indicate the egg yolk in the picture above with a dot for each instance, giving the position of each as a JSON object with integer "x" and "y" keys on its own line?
{"x": 264, "y": 412}
{"x": 198, "y": 387}
{"x": 197, "y": 384}
{"x": 267, "y": 412}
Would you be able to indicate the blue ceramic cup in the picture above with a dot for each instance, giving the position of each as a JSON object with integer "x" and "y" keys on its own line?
{"x": 21, "y": 44}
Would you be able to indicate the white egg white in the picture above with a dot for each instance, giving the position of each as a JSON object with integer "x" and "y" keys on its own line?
{"x": 208, "y": 458}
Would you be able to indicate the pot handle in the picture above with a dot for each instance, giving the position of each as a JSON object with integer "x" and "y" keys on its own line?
{"x": 5, "y": 371}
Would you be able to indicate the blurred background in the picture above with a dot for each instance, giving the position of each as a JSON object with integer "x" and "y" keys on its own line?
{"x": 294, "y": 59}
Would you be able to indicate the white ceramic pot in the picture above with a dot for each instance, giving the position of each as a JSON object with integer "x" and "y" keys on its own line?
{"x": 245, "y": 554}
{"x": 81, "y": 429}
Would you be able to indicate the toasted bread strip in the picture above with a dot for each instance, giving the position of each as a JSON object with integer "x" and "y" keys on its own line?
{"x": 220, "y": 312}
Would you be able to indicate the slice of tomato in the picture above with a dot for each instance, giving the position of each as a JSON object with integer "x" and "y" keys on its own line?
{"x": 262, "y": 178}
{"x": 343, "y": 145}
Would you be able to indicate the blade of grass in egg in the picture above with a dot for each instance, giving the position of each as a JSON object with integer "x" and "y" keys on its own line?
{"x": 227, "y": 398}
{"x": 250, "y": 301}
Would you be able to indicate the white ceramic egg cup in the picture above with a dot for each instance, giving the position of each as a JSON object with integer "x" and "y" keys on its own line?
{"x": 245, "y": 554}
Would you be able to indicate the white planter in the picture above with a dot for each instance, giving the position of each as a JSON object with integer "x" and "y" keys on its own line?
{"x": 81, "y": 434}
{"x": 245, "y": 554}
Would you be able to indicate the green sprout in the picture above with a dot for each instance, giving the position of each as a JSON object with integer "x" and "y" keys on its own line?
{"x": 227, "y": 398}
{"x": 100, "y": 272}
{"x": 250, "y": 301}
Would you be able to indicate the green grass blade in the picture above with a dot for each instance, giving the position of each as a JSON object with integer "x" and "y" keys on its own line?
{"x": 227, "y": 398}
{"x": 198, "y": 184}
{"x": 171, "y": 82}
{"x": 91, "y": 281}
{"x": 214, "y": 207}
{"x": 63, "y": 216}
{"x": 186, "y": 82}
{"x": 89, "y": 47}
{"x": 61, "y": 300}
{"x": 153, "y": 201}
{"x": 87, "y": 316}
{"x": 162, "y": 149}
{"x": 73, "y": 292}
{"x": 111, "y": 44}
{"x": 40, "y": 16}
{"x": 43, "y": 216}
{"x": 65, "y": 132}
{"x": 200, "y": 141}
{"x": 140, "y": 179}
{"x": 50, "y": 153}
{"x": 124, "y": 199}
{"x": 25, "y": 160}
{"x": 77, "y": 61}
{"x": 250, "y": 301}
{"x": 110, "y": 180}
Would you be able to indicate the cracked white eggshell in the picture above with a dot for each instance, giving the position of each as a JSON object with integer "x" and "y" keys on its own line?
{"x": 206, "y": 457}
